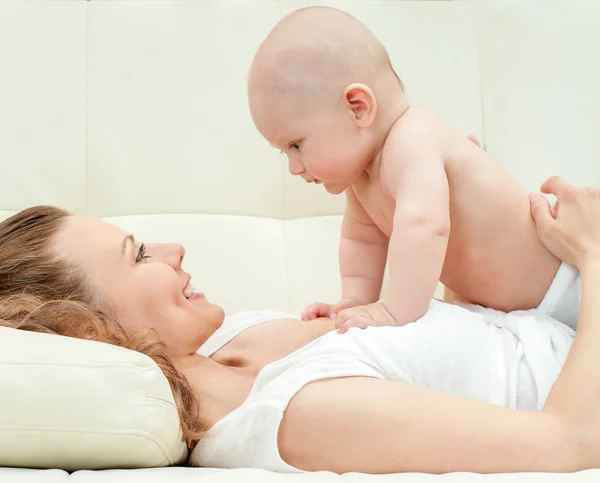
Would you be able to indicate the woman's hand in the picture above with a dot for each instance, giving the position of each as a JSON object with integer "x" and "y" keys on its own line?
{"x": 571, "y": 230}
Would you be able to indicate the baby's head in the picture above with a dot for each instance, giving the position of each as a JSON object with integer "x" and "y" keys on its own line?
{"x": 322, "y": 89}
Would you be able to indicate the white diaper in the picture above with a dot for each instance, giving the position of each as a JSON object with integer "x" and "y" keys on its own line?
{"x": 563, "y": 299}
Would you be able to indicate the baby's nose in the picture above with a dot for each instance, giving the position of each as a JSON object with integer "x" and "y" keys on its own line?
{"x": 295, "y": 167}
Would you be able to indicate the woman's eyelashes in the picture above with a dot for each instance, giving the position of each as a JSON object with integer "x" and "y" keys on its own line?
{"x": 141, "y": 254}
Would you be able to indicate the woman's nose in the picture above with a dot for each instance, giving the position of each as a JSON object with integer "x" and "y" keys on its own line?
{"x": 176, "y": 254}
{"x": 170, "y": 253}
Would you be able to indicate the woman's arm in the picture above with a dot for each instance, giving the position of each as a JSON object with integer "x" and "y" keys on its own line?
{"x": 572, "y": 232}
{"x": 369, "y": 425}
{"x": 575, "y": 397}
{"x": 377, "y": 426}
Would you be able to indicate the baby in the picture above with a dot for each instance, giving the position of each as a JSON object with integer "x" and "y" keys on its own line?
{"x": 420, "y": 195}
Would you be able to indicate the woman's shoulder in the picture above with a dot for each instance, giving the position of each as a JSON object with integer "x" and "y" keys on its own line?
{"x": 247, "y": 437}
{"x": 252, "y": 316}
{"x": 235, "y": 324}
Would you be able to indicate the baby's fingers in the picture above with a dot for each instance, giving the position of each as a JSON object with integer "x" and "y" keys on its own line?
{"x": 342, "y": 316}
{"x": 343, "y": 305}
{"x": 346, "y": 315}
{"x": 314, "y": 311}
{"x": 308, "y": 313}
{"x": 356, "y": 321}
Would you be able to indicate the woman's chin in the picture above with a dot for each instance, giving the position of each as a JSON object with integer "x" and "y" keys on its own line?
{"x": 217, "y": 314}
{"x": 220, "y": 314}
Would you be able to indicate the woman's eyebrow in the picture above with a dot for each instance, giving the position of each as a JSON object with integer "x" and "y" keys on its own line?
{"x": 127, "y": 238}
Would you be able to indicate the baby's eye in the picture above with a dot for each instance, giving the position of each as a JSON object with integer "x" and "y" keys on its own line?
{"x": 296, "y": 146}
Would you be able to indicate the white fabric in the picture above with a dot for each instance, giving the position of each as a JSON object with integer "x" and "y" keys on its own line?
{"x": 480, "y": 354}
{"x": 236, "y": 324}
{"x": 563, "y": 299}
{"x": 137, "y": 111}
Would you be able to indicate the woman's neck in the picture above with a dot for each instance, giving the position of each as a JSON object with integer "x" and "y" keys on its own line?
{"x": 220, "y": 388}
{"x": 223, "y": 381}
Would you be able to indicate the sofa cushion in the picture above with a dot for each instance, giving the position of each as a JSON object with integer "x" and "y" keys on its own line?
{"x": 78, "y": 404}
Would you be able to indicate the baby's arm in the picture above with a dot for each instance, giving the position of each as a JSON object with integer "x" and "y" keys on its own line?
{"x": 413, "y": 171}
{"x": 362, "y": 255}
{"x": 416, "y": 178}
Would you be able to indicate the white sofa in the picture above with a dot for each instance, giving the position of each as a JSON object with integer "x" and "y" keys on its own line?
{"x": 135, "y": 110}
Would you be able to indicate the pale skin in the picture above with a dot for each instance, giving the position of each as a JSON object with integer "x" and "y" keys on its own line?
{"x": 326, "y": 427}
{"x": 421, "y": 197}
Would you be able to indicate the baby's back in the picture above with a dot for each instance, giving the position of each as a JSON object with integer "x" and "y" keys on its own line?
{"x": 494, "y": 257}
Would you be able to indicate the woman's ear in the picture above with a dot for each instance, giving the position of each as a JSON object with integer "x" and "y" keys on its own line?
{"x": 361, "y": 102}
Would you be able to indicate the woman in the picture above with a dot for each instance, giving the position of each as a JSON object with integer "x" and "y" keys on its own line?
{"x": 286, "y": 395}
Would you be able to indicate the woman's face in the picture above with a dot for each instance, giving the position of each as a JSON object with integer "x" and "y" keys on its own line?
{"x": 141, "y": 285}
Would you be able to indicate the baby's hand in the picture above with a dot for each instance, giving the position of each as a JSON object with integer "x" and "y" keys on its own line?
{"x": 343, "y": 305}
{"x": 363, "y": 316}
{"x": 316, "y": 310}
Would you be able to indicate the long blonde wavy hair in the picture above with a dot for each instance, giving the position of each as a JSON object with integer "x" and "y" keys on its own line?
{"x": 40, "y": 292}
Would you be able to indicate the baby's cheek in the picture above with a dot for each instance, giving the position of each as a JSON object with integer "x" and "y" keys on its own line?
{"x": 328, "y": 169}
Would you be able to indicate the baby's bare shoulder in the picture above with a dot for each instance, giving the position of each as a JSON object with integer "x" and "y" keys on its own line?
{"x": 415, "y": 137}
{"x": 418, "y": 129}
{"x": 418, "y": 121}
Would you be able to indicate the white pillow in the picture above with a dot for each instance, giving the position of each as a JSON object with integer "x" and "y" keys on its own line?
{"x": 77, "y": 404}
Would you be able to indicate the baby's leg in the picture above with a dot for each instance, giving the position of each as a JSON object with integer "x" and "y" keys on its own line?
{"x": 450, "y": 297}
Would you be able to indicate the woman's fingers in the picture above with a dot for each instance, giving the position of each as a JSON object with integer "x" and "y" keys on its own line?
{"x": 473, "y": 139}
{"x": 540, "y": 210}
{"x": 558, "y": 187}
{"x": 571, "y": 229}
{"x": 555, "y": 209}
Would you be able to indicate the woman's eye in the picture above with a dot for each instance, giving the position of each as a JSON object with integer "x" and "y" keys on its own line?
{"x": 141, "y": 254}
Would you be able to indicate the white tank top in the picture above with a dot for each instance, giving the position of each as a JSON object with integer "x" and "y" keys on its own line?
{"x": 510, "y": 360}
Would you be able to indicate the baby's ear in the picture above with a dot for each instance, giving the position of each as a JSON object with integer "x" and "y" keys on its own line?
{"x": 362, "y": 103}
